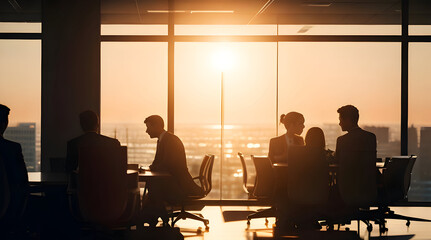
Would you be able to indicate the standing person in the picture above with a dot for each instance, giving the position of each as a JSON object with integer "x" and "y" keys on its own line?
{"x": 294, "y": 124}
{"x": 89, "y": 122}
{"x": 355, "y": 154}
{"x": 170, "y": 157}
{"x": 16, "y": 171}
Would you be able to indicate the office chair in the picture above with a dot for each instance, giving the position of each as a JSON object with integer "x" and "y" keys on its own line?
{"x": 104, "y": 196}
{"x": 396, "y": 183}
{"x": 248, "y": 188}
{"x": 264, "y": 188}
{"x": 205, "y": 182}
{"x": 356, "y": 180}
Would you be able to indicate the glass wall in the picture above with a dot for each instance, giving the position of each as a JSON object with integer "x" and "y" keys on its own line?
{"x": 134, "y": 86}
{"x": 20, "y": 90}
{"x": 419, "y": 137}
{"x": 249, "y": 92}
{"x": 316, "y": 79}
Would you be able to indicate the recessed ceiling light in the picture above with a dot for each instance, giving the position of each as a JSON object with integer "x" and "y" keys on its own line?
{"x": 318, "y": 4}
{"x": 212, "y": 11}
{"x": 166, "y": 11}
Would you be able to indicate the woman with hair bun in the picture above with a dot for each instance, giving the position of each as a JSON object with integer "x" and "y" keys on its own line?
{"x": 294, "y": 124}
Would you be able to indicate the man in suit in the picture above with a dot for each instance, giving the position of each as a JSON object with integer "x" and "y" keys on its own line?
{"x": 16, "y": 171}
{"x": 170, "y": 157}
{"x": 90, "y": 125}
{"x": 356, "y": 155}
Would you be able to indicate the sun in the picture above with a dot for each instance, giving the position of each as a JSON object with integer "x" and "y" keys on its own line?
{"x": 223, "y": 59}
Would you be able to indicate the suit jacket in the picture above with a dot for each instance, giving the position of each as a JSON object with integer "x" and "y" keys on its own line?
{"x": 355, "y": 140}
{"x": 88, "y": 139}
{"x": 278, "y": 146}
{"x": 171, "y": 157}
{"x": 11, "y": 154}
{"x": 16, "y": 171}
{"x": 356, "y": 177}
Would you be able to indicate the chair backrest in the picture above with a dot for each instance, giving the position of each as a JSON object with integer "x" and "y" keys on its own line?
{"x": 4, "y": 190}
{"x": 102, "y": 184}
{"x": 205, "y": 174}
{"x": 265, "y": 179}
{"x": 57, "y": 164}
{"x": 356, "y": 177}
{"x": 396, "y": 177}
{"x": 244, "y": 171}
{"x": 307, "y": 176}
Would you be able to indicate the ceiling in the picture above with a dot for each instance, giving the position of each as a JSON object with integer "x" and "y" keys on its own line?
{"x": 238, "y": 11}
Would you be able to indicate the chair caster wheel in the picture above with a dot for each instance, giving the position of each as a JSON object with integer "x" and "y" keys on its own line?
{"x": 207, "y": 228}
{"x": 248, "y": 222}
{"x": 370, "y": 228}
{"x": 408, "y": 223}
{"x": 347, "y": 229}
{"x": 199, "y": 231}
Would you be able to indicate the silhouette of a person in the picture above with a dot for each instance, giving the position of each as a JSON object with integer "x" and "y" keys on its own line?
{"x": 315, "y": 138}
{"x": 90, "y": 125}
{"x": 170, "y": 157}
{"x": 294, "y": 124}
{"x": 16, "y": 171}
{"x": 356, "y": 139}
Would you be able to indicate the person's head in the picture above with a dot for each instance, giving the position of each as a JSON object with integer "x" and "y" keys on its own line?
{"x": 155, "y": 126}
{"x": 315, "y": 138}
{"x": 348, "y": 116}
{"x": 4, "y": 118}
{"x": 89, "y": 121}
{"x": 293, "y": 122}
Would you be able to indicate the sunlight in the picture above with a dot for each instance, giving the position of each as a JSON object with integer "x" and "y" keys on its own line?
{"x": 223, "y": 59}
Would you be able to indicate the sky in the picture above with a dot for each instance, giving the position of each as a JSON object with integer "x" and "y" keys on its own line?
{"x": 313, "y": 78}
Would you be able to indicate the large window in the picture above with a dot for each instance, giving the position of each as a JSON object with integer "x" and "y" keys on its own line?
{"x": 20, "y": 90}
{"x": 134, "y": 86}
{"x": 419, "y": 137}
{"x": 249, "y": 106}
{"x": 318, "y": 78}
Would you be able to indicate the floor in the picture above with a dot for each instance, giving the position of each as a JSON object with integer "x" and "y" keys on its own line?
{"x": 219, "y": 229}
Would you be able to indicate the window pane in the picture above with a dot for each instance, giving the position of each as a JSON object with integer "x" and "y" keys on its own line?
{"x": 420, "y": 120}
{"x": 249, "y": 112}
{"x": 20, "y": 90}
{"x": 134, "y": 86}
{"x": 16, "y": 27}
{"x": 420, "y": 29}
{"x": 123, "y": 29}
{"x": 318, "y": 78}
{"x": 339, "y": 29}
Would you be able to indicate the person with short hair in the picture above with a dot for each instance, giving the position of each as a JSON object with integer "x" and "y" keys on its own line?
{"x": 89, "y": 122}
{"x": 294, "y": 124}
{"x": 170, "y": 157}
{"x": 16, "y": 170}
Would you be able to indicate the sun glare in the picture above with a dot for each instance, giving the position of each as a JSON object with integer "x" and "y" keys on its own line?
{"x": 223, "y": 59}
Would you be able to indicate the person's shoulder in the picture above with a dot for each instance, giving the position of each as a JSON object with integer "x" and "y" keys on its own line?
{"x": 368, "y": 134}
{"x": 109, "y": 139}
{"x": 11, "y": 144}
{"x": 278, "y": 138}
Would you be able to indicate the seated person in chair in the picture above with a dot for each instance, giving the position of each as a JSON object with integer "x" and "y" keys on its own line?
{"x": 170, "y": 157}
{"x": 90, "y": 125}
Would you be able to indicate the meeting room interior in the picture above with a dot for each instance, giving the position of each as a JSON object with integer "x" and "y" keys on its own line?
{"x": 201, "y": 119}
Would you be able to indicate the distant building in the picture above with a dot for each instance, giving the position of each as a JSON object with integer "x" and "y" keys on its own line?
{"x": 425, "y": 154}
{"x": 25, "y": 134}
{"x": 382, "y": 133}
{"x": 413, "y": 147}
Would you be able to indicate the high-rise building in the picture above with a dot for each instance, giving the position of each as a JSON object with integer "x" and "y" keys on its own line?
{"x": 425, "y": 154}
{"x": 25, "y": 134}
